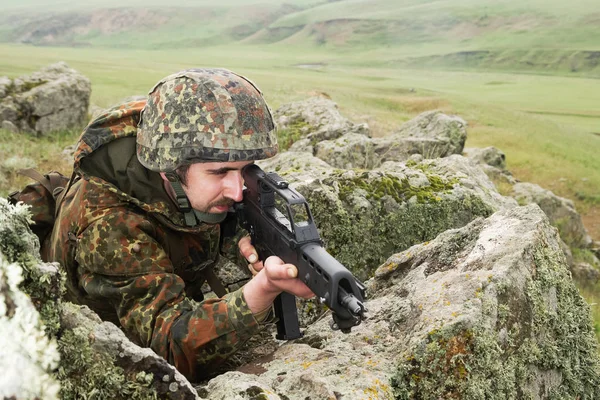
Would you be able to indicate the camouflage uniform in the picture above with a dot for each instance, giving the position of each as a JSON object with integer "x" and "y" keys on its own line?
{"x": 130, "y": 256}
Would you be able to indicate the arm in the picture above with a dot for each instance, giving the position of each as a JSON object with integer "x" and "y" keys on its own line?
{"x": 122, "y": 264}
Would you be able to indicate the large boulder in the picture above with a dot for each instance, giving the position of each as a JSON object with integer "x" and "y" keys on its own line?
{"x": 314, "y": 119}
{"x": 52, "y": 99}
{"x": 487, "y": 311}
{"x": 432, "y": 134}
{"x": 560, "y": 211}
{"x": 364, "y": 216}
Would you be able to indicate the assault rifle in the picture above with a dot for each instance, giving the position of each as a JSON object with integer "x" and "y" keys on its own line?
{"x": 280, "y": 223}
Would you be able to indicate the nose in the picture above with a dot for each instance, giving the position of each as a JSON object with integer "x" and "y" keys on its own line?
{"x": 233, "y": 186}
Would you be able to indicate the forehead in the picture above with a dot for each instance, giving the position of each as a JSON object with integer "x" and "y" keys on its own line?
{"x": 211, "y": 166}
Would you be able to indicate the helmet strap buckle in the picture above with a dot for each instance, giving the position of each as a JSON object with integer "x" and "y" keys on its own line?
{"x": 182, "y": 200}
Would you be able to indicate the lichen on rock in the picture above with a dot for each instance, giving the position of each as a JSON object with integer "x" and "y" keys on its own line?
{"x": 28, "y": 356}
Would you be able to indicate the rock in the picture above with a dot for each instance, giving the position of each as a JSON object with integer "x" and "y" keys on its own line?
{"x": 348, "y": 151}
{"x": 27, "y": 355}
{"x": 489, "y": 155}
{"x": 585, "y": 272}
{"x": 436, "y": 125}
{"x": 431, "y": 134}
{"x": 150, "y": 370}
{"x": 364, "y": 216}
{"x": 560, "y": 211}
{"x": 493, "y": 162}
{"x": 487, "y": 311}
{"x": 5, "y": 86}
{"x": 316, "y": 119}
{"x": 9, "y": 126}
{"x": 236, "y": 385}
{"x": 9, "y": 110}
{"x": 52, "y": 99}
{"x": 568, "y": 253}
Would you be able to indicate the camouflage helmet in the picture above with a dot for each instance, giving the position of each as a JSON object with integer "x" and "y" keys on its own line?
{"x": 203, "y": 115}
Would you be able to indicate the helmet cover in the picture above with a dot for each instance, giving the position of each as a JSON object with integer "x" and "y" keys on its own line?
{"x": 204, "y": 115}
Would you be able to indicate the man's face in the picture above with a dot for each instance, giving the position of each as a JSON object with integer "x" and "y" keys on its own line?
{"x": 213, "y": 187}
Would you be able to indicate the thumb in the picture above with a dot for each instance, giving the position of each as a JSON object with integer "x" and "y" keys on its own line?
{"x": 277, "y": 269}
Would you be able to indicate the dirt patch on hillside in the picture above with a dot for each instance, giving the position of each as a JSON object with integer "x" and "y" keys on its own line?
{"x": 69, "y": 28}
{"x": 112, "y": 21}
{"x": 484, "y": 25}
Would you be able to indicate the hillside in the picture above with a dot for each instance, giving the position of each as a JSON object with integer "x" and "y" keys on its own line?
{"x": 541, "y": 36}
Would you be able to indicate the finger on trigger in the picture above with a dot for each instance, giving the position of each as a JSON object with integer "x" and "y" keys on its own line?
{"x": 247, "y": 250}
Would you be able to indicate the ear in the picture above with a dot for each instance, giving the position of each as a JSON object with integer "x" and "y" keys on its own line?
{"x": 162, "y": 174}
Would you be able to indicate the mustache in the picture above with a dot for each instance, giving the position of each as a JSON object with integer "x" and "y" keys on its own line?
{"x": 222, "y": 202}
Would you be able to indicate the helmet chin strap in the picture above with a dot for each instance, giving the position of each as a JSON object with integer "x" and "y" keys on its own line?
{"x": 192, "y": 217}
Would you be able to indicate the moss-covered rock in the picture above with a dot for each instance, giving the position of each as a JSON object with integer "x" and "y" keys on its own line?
{"x": 522, "y": 331}
{"x": 52, "y": 99}
{"x": 366, "y": 215}
{"x": 28, "y": 356}
{"x": 315, "y": 119}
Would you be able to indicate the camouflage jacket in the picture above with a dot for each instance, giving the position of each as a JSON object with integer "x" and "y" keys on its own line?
{"x": 129, "y": 256}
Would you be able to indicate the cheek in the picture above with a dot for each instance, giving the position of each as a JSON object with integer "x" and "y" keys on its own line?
{"x": 205, "y": 189}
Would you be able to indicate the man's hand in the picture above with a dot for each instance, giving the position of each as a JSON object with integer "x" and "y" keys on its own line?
{"x": 270, "y": 279}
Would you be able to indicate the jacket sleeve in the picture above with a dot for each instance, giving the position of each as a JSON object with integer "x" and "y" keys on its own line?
{"x": 121, "y": 263}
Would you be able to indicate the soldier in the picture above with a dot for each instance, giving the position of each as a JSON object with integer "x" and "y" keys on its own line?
{"x": 143, "y": 220}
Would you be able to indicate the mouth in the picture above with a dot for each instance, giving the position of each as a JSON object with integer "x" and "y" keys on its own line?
{"x": 221, "y": 206}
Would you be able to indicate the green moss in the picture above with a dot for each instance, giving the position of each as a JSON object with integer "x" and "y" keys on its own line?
{"x": 27, "y": 86}
{"x": 45, "y": 287}
{"x": 254, "y": 393}
{"x": 362, "y": 237}
{"x": 399, "y": 189}
{"x": 542, "y": 347}
{"x": 292, "y": 133}
{"x": 86, "y": 374}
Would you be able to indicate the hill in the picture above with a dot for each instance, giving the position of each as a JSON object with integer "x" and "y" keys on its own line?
{"x": 535, "y": 36}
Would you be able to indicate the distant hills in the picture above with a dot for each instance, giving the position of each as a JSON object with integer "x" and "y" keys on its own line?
{"x": 551, "y": 36}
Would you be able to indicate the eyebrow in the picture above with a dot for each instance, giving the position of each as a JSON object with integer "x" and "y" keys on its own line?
{"x": 223, "y": 170}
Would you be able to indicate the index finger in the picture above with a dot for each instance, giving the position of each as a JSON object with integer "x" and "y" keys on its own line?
{"x": 248, "y": 250}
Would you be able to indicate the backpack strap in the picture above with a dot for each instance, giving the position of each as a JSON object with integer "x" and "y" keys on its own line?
{"x": 214, "y": 282}
{"x": 45, "y": 181}
{"x": 60, "y": 195}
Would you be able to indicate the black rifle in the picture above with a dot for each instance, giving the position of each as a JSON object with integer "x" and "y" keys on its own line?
{"x": 280, "y": 223}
